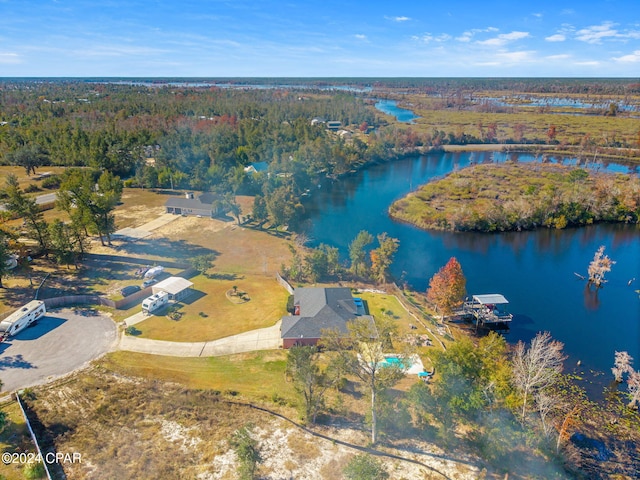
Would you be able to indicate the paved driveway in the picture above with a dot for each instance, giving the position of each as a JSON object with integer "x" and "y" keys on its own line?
{"x": 58, "y": 344}
{"x": 260, "y": 339}
{"x": 143, "y": 231}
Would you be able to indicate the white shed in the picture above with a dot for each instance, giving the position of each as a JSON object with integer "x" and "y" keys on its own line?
{"x": 178, "y": 288}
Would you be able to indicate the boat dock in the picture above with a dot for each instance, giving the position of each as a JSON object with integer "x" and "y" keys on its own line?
{"x": 487, "y": 310}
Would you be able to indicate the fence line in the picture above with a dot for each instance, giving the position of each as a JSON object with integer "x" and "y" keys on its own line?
{"x": 78, "y": 299}
{"x": 284, "y": 283}
{"x": 33, "y": 437}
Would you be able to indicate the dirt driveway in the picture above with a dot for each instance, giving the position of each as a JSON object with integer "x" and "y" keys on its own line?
{"x": 59, "y": 343}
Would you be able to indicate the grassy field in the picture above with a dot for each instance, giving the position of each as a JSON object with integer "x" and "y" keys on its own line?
{"x": 139, "y": 206}
{"x": 25, "y": 180}
{"x": 520, "y": 196}
{"x": 256, "y": 375}
{"x": 14, "y": 438}
{"x": 237, "y": 250}
{"x": 154, "y": 417}
{"x": 572, "y": 125}
{"x": 268, "y": 302}
{"x": 132, "y": 427}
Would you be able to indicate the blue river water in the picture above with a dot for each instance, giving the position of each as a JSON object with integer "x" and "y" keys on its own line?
{"x": 534, "y": 270}
{"x": 390, "y": 107}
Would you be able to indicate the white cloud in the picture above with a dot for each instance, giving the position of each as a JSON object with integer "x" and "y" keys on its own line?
{"x": 631, "y": 58}
{"x": 399, "y": 19}
{"x": 588, "y": 63}
{"x": 360, "y": 36}
{"x": 428, "y": 38}
{"x": 466, "y": 36}
{"x": 118, "y": 51}
{"x": 503, "y": 39}
{"x": 595, "y": 34}
{"x": 537, "y": 15}
{"x": 558, "y": 37}
{"x": 562, "y": 56}
{"x": 9, "y": 58}
{"x": 516, "y": 57}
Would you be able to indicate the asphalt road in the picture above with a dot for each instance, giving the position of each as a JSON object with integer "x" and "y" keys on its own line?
{"x": 40, "y": 199}
{"x": 59, "y": 343}
{"x": 46, "y": 198}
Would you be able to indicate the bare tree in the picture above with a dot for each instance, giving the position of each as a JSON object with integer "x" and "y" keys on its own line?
{"x": 633, "y": 385}
{"x": 547, "y": 405}
{"x": 622, "y": 365}
{"x": 536, "y": 368}
{"x": 599, "y": 266}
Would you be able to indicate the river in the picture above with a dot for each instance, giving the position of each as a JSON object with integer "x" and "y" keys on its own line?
{"x": 390, "y": 107}
{"x": 534, "y": 270}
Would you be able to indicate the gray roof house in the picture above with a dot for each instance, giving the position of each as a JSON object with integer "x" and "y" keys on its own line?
{"x": 317, "y": 309}
{"x": 205, "y": 205}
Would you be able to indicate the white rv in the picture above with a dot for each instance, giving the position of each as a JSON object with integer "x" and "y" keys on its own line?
{"x": 154, "y": 302}
{"x": 22, "y": 318}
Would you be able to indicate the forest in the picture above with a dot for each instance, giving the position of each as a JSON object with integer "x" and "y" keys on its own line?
{"x": 200, "y": 136}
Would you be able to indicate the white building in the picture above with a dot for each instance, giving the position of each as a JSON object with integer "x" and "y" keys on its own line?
{"x": 177, "y": 288}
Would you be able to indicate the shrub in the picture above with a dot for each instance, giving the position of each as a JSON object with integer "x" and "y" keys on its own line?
{"x": 33, "y": 471}
{"x": 246, "y": 449}
{"x": 365, "y": 467}
{"x": 131, "y": 330}
{"x": 51, "y": 182}
{"x": 31, "y": 188}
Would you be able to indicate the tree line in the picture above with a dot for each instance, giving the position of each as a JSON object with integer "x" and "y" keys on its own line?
{"x": 324, "y": 262}
{"x": 89, "y": 197}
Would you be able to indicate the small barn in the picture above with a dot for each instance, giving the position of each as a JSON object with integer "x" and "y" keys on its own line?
{"x": 177, "y": 288}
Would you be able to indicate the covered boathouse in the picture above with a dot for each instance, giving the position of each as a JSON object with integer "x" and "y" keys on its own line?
{"x": 488, "y": 310}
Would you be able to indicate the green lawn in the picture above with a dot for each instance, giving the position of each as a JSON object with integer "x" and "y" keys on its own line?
{"x": 383, "y": 304}
{"x": 220, "y": 317}
{"x": 14, "y": 438}
{"x": 256, "y": 375}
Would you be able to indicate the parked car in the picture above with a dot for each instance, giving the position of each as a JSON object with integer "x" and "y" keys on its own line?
{"x": 148, "y": 282}
{"x": 129, "y": 290}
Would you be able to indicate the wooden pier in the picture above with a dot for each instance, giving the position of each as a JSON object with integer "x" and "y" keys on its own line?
{"x": 487, "y": 310}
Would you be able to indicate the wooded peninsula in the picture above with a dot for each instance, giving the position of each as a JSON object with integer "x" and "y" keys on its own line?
{"x": 520, "y": 196}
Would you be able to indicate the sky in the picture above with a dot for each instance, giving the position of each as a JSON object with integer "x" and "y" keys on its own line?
{"x": 320, "y": 38}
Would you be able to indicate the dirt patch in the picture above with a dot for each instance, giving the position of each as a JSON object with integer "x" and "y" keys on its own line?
{"x": 135, "y": 428}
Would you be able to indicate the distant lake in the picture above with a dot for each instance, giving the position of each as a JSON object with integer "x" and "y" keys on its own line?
{"x": 534, "y": 270}
{"x": 390, "y": 107}
{"x": 561, "y": 102}
{"x": 238, "y": 85}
